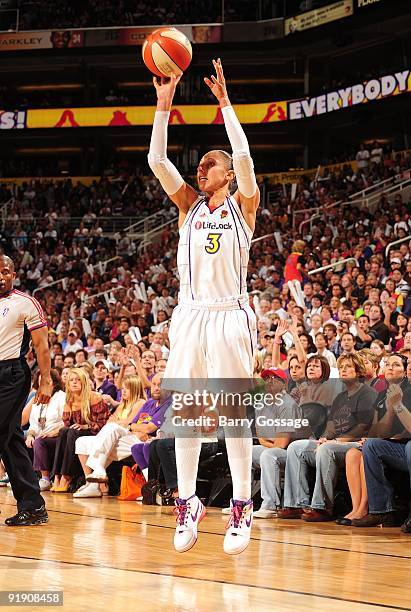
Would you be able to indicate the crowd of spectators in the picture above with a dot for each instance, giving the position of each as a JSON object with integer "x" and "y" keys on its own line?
{"x": 339, "y": 356}
{"x": 40, "y": 14}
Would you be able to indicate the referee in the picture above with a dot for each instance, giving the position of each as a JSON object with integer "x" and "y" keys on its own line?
{"x": 21, "y": 318}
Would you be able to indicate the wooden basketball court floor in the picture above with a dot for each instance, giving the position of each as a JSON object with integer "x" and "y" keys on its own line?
{"x": 110, "y": 555}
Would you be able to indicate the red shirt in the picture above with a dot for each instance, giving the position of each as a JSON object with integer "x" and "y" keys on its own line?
{"x": 291, "y": 272}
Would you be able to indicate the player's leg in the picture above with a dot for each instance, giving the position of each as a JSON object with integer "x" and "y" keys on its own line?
{"x": 185, "y": 366}
{"x": 231, "y": 339}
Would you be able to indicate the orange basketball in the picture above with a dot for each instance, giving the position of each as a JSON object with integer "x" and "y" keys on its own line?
{"x": 167, "y": 51}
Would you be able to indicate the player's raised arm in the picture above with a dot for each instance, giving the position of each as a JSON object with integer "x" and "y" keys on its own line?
{"x": 248, "y": 194}
{"x": 182, "y": 194}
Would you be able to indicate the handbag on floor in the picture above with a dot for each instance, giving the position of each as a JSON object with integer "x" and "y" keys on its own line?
{"x": 150, "y": 492}
{"x": 131, "y": 483}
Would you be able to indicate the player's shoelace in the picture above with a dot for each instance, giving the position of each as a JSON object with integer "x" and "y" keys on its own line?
{"x": 236, "y": 516}
{"x": 181, "y": 513}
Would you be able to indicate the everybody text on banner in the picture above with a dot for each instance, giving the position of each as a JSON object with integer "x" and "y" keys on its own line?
{"x": 319, "y": 17}
{"x": 361, "y": 93}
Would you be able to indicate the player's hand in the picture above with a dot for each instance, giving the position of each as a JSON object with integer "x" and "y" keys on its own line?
{"x": 165, "y": 89}
{"x": 217, "y": 83}
{"x": 45, "y": 391}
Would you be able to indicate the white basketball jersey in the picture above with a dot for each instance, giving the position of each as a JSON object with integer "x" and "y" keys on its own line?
{"x": 213, "y": 252}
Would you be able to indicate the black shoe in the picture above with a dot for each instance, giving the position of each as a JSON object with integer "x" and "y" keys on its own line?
{"x": 387, "y": 519}
{"x": 344, "y": 521}
{"x": 25, "y": 518}
{"x": 406, "y": 527}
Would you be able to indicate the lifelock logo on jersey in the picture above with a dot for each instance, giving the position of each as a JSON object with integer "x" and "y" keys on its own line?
{"x": 212, "y": 225}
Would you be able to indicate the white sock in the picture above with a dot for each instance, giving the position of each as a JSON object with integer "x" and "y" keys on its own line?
{"x": 239, "y": 451}
{"x": 187, "y": 456}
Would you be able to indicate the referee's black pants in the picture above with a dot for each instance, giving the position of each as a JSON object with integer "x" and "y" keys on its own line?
{"x": 15, "y": 382}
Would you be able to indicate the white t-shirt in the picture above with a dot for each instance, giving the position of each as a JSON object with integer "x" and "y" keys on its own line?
{"x": 376, "y": 155}
{"x": 52, "y": 412}
{"x": 363, "y": 158}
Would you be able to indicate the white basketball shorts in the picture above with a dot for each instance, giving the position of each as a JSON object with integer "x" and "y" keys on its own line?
{"x": 212, "y": 340}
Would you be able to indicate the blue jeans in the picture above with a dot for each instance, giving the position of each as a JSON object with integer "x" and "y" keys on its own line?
{"x": 271, "y": 461}
{"x": 377, "y": 453}
{"x": 327, "y": 459}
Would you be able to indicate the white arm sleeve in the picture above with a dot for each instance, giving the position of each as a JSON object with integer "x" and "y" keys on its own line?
{"x": 242, "y": 162}
{"x": 168, "y": 175}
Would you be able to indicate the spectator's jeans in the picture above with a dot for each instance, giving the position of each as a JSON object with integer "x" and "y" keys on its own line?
{"x": 377, "y": 453}
{"x": 167, "y": 455}
{"x": 327, "y": 459}
{"x": 271, "y": 461}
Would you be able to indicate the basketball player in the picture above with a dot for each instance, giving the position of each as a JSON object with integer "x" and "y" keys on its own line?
{"x": 21, "y": 318}
{"x": 213, "y": 329}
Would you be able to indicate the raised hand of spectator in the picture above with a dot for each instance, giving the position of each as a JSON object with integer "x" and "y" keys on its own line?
{"x": 133, "y": 352}
{"x": 293, "y": 326}
{"x": 282, "y": 328}
{"x": 123, "y": 358}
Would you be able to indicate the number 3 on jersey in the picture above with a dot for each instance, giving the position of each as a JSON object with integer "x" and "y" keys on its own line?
{"x": 214, "y": 243}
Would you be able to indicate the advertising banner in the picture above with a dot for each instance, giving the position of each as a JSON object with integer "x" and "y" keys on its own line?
{"x": 143, "y": 115}
{"x": 366, "y": 3}
{"x": 284, "y": 178}
{"x": 107, "y": 37}
{"x": 12, "y": 120}
{"x": 266, "y": 112}
{"x": 28, "y": 41}
{"x": 318, "y": 17}
{"x": 257, "y": 30}
{"x": 134, "y": 36}
{"x": 346, "y": 97}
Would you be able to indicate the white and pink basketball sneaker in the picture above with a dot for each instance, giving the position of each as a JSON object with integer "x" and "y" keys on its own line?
{"x": 238, "y": 532}
{"x": 189, "y": 512}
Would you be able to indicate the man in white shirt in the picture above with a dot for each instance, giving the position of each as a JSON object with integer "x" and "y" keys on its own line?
{"x": 363, "y": 158}
{"x": 376, "y": 153}
{"x": 73, "y": 342}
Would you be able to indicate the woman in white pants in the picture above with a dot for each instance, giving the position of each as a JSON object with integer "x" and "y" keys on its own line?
{"x": 94, "y": 452}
